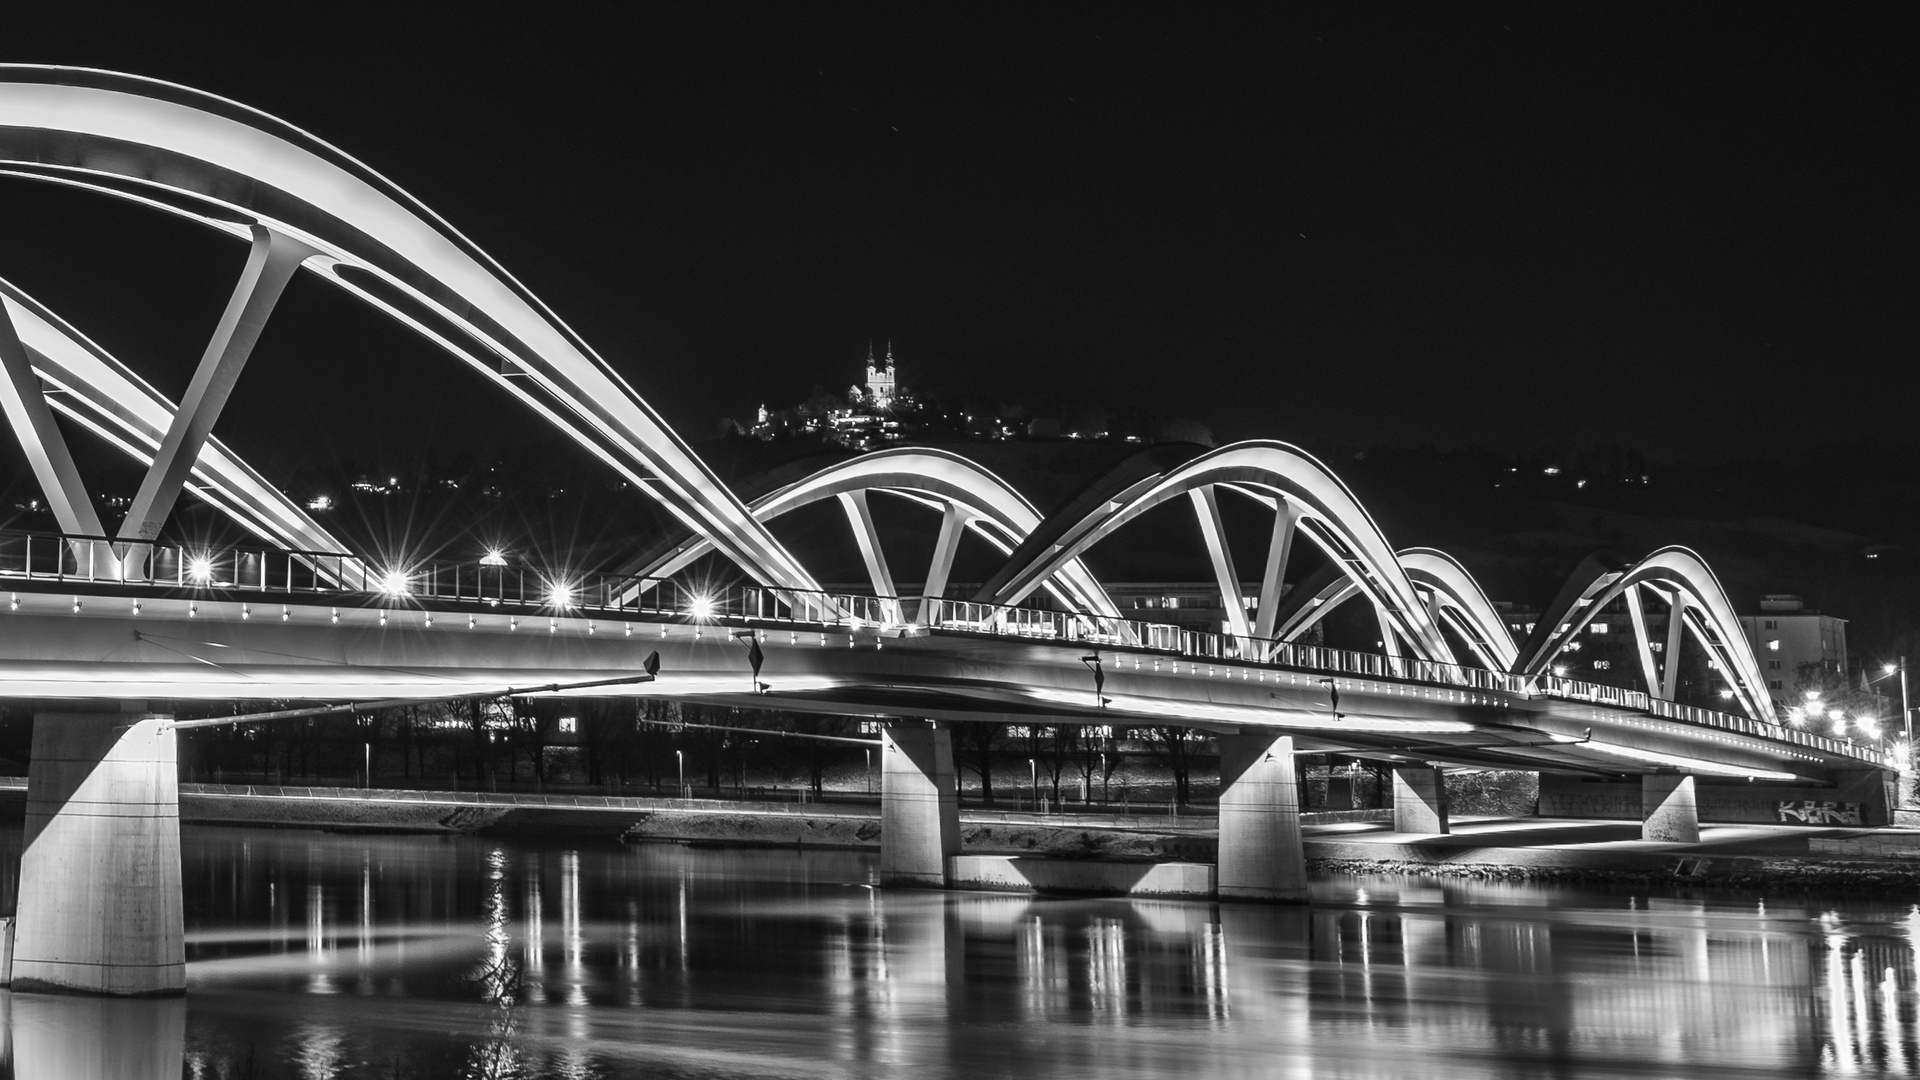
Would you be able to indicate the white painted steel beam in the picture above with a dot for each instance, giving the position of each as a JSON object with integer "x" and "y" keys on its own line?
{"x": 1273, "y": 582}
{"x": 1676, "y": 623}
{"x": 953, "y": 525}
{"x": 24, "y": 400}
{"x": 104, "y": 396}
{"x": 1206, "y": 508}
{"x": 271, "y": 263}
{"x": 1642, "y": 645}
{"x": 867, "y": 536}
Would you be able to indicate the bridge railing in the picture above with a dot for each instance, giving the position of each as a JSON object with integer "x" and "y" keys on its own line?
{"x": 102, "y": 560}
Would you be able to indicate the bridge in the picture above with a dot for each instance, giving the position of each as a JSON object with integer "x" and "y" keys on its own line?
{"x": 132, "y": 618}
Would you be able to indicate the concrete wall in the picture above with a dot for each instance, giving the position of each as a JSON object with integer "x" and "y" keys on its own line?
{"x": 1859, "y": 799}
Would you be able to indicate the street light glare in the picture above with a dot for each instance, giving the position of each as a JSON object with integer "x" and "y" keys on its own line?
{"x": 560, "y": 595}
{"x": 200, "y": 569}
{"x": 701, "y": 607}
{"x": 395, "y": 583}
{"x": 494, "y": 557}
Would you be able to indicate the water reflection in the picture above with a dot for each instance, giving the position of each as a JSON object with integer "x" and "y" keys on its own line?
{"x": 86, "y": 1038}
{"x": 329, "y": 956}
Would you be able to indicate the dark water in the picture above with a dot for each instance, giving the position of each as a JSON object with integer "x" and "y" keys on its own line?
{"x": 317, "y": 956}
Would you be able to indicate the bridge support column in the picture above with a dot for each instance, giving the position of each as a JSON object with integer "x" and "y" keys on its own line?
{"x": 1260, "y": 853}
{"x": 100, "y": 902}
{"x": 1420, "y": 800}
{"x": 1668, "y": 810}
{"x": 919, "y": 804}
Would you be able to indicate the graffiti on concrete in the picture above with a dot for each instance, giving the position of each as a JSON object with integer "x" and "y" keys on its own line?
{"x": 1812, "y": 812}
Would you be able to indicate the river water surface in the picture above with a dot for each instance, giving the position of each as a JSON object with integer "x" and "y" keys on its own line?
{"x": 324, "y": 955}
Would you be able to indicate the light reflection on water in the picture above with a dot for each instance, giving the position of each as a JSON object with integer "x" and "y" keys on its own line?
{"x": 321, "y": 956}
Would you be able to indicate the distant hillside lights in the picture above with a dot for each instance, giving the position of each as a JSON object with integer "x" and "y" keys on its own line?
{"x": 869, "y": 417}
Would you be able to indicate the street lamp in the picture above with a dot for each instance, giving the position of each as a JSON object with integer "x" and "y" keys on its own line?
{"x": 1033, "y": 781}
{"x": 1906, "y": 714}
{"x": 680, "y": 759}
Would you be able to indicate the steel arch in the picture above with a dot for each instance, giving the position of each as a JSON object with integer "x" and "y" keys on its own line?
{"x": 236, "y": 169}
{"x": 1329, "y": 513}
{"x": 945, "y": 480}
{"x": 1702, "y": 606}
{"x": 103, "y": 395}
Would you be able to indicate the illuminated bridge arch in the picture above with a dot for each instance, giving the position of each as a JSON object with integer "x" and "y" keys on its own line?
{"x": 1695, "y": 601}
{"x": 1453, "y": 597}
{"x": 41, "y": 352}
{"x": 1304, "y": 496}
{"x": 968, "y": 495}
{"x": 303, "y": 204}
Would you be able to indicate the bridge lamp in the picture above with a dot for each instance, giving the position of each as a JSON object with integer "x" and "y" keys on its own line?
{"x": 701, "y": 607}
{"x": 394, "y": 583}
{"x": 200, "y": 569}
{"x": 560, "y": 595}
{"x": 494, "y": 557}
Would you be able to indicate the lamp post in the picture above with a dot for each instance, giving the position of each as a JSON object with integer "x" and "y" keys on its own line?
{"x": 1906, "y": 714}
{"x": 680, "y": 759}
{"x": 1033, "y": 781}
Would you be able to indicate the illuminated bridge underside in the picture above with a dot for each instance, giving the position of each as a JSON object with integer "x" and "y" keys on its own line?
{"x": 215, "y": 654}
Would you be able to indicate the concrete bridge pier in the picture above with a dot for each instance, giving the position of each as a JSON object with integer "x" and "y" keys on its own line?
{"x": 1420, "y": 800}
{"x": 100, "y": 902}
{"x": 919, "y": 804}
{"x": 1668, "y": 810}
{"x": 1260, "y": 853}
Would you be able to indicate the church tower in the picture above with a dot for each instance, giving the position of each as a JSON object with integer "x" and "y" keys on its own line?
{"x": 880, "y": 384}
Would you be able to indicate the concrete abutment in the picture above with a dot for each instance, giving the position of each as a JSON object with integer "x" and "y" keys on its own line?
{"x": 1669, "y": 810}
{"x": 99, "y": 898}
{"x": 1260, "y": 856}
{"x": 919, "y": 804}
{"x": 1420, "y": 800}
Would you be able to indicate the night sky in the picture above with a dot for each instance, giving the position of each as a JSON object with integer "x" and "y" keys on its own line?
{"x": 1538, "y": 225}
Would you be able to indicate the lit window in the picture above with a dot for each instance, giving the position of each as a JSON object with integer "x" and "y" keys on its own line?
{"x": 1598, "y": 628}
{"x": 1773, "y": 645}
{"x": 566, "y": 725}
{"x": 1602, "y": 665}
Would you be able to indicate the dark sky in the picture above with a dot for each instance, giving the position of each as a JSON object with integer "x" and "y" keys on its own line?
{"x": 1544, "y": 224}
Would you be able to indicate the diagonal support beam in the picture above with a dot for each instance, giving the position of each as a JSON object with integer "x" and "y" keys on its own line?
{"x": 1676, "y": 626}
{"x": 270, "y": 265}
{"x": 24, "y": 401}
{"x": 1206, "y": 507}
{"x": 1389, "y": 639}
{"x": 867, "y": 536}
{"x": 1272, "y": 583}
{"x": 952, "y": 527}
{"x": 1641, "y": 645}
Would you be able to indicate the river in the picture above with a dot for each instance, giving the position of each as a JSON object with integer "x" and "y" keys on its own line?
{"x": 325, "y": 955}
